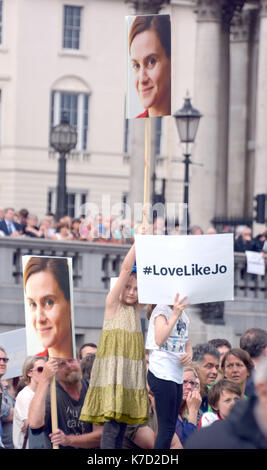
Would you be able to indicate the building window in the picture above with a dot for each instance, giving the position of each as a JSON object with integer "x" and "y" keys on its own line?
{"x": 1, "y": 20}
{"x": 72, "y": 27}
{"x": 75, "y": 199}
{"x": 69, "y": 107}
{"x": 75, "y": 106}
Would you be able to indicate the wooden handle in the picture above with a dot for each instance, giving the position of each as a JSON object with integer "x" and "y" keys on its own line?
{"x": 146, "y": 172}
{"x": 53, "y": 399}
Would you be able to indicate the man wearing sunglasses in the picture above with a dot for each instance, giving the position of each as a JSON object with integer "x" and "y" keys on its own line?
{"x": 32, "y": 370}
{"x": 71, "y": 389}
{"x": 7, "y": 406}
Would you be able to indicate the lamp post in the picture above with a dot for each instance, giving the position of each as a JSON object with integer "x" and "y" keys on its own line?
{"x": 63, "y": 139}
{"x": 187, "y": 120}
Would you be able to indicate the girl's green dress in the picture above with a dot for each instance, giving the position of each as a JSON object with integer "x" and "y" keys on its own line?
{"x": 118, "y": 379}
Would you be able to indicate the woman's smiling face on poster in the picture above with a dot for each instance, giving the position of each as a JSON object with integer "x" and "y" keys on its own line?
{"x": 152, "y": 70}
{"x": 50, "y": 311}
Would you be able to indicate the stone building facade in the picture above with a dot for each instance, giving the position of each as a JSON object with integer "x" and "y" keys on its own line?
{"x": 70, "y": 55}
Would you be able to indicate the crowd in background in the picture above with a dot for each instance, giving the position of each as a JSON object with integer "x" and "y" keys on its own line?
{"x": 111, "y": 229}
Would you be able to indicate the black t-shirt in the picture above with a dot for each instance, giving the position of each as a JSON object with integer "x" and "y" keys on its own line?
{"x": 68, "y": 412}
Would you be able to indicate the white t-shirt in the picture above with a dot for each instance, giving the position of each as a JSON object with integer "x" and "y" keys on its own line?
{"x": 21, "y": 410}
{"x": 207, "y": 419}
{"x": 164, "y": 360}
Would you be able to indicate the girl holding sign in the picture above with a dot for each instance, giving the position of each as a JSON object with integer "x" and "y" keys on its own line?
{"x": 169, "y": 351}
{"x": 117, "y": 395}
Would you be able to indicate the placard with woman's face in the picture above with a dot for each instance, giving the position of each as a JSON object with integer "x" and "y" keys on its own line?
{"x": 148, "y": 66}
{"x": 48, "y": 298}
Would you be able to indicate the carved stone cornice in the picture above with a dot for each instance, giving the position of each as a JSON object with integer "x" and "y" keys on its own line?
{"x": 263, "y": 8}
{"x": 208, "y": 10}
{"x": 218, "y": 11}
{"x": 229, "y": 9}
{"x": 240, "y": 26}
{"x": 143, "y": 7}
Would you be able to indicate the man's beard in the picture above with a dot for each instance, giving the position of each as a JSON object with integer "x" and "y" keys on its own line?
{"x": 72, "y": 376}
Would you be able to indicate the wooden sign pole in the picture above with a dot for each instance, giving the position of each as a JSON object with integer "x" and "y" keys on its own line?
{"x": 53, "y": 400}
{"x": 146, "y": 173}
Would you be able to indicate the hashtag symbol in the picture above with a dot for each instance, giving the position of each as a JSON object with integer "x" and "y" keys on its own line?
{"x": 147, "y": 270}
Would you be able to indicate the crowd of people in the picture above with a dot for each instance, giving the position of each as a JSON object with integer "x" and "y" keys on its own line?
{"x": 111, "y": 229}
{"x": 213, "y": 383}
{"x": 127, "y": 393}
{"x": 90, "y": 229}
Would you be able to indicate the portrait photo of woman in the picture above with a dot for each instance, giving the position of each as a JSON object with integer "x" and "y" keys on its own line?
{"x": 149, "y": 66}
{"x": 48, "y": 306}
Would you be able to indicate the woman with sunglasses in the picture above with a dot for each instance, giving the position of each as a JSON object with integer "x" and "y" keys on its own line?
{"x": 32, "y": 371}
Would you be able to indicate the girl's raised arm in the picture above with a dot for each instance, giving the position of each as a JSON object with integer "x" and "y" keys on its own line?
{"x": 163, "y": 327}
{"x": 113, "y": 297}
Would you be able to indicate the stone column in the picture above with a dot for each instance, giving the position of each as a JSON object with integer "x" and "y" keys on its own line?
{"x": 238, "y": 114}
{"x": 207, "y": 185}
{"x": 252, "y": 108}
{"x": 260, "y": 175}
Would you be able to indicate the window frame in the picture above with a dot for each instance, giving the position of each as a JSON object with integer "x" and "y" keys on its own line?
{"x": 80, "y": 198}
{"x": 69, "y": 46}
{"x": 78, "y": 118}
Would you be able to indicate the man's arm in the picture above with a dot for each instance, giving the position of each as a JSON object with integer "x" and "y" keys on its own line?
{"x": 37, "y": 407}
{"x": 6, "y": 412}
{"x": 84, "y": 441}
{"x": 9, "y": 418}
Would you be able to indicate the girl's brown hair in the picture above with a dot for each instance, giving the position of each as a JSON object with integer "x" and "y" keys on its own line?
{"x": 149, "y": 311}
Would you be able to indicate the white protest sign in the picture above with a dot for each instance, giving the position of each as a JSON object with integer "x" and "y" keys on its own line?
{"x": 112, "y": 281}
{"x": 198, "y": 266}
{"x": 255, "y": 263}
{"x": 14, "y": 343}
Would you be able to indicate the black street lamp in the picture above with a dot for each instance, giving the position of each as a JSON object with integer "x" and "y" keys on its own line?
{"x": 187, "y": 121}
{"x": 63, "y": 138}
